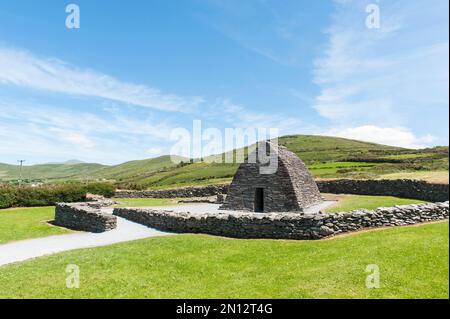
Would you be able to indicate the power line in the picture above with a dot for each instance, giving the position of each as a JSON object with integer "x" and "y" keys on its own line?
{"x": 20, "y": 171}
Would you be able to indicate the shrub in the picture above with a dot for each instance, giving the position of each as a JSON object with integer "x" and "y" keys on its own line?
{"x": 14, "y": 196}
{"x": 8, "y": 196}
{"x": 104, "y": 189}
{"x": 11, "y": 196}
{"x": 131, "y": 186}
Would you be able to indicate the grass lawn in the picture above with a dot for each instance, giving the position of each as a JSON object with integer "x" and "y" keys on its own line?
{"x": 26, "y": 223}
{"x": 413, "y": 263}
{"x": 141, "y": 202}
{"x": 351, "y": 202}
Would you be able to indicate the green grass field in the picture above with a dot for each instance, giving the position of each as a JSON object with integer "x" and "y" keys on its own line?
{"x": 413, "y": 263}
{"x": 351, "y": 202}
{"x": 27, "y": 223}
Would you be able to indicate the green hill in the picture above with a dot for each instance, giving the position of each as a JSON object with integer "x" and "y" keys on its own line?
{"x": 49, "y": 171}
{"x": 326, "y": 157}
{"x": 137, "y": 169}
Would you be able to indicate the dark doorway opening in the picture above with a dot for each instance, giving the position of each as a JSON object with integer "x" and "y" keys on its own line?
{"x": 259, "y": 200}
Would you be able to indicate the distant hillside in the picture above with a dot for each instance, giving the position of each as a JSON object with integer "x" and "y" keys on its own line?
{"x": 49, "y": 171}
{"x": 69, "y": 162}
{"x": 326, "y": 157}
{"x": 136, "y": 169}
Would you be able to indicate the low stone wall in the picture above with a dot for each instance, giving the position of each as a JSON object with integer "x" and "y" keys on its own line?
{"x": 84, "y": 216}
{"x": 405, "y": 188}
{"x": 197, "y": 191}
{"x": 400, "y": 188}
{"x": 284, "y": 225}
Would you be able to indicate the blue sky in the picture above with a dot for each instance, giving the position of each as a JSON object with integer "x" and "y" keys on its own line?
{"x": 116, "y": 88}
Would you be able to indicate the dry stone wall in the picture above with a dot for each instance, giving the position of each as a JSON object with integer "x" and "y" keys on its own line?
{"x": 284, "y": 225}
{"x": 84, "y": 216}
{"x": 400, "y": 188}
{"x": 405, "y": 188}
{"x": 184, "y": 192}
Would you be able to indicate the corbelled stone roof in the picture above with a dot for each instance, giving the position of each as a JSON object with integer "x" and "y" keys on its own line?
{"x": 288, "y": 188}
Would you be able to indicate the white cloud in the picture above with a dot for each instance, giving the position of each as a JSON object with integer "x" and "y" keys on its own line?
{"x": 52, "y": 134}
{"x": 21, "y": 68}
{"x": 154, "y": 151}
{"x": 60, "y": 120}
{"x": 388, "y": 75}
{"x": 75, "y": 138}
{"x": 238, "y": 116}
{"x": 393, "y": 136}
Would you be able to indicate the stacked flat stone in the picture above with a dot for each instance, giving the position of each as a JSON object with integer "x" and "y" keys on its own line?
{"x": 404, "y": 188}
{"x": 284, "y": 225}
{"x": 183, "y": 192}
{"x": 290, "y": 188}
{"x": 85, "y": 217}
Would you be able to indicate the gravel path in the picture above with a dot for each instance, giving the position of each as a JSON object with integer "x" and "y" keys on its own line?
{"x": 32, "y": 248}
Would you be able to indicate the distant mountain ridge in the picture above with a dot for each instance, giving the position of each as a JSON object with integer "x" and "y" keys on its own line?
{"x": 325, "y": 156}
{"x": 69, "y": 162}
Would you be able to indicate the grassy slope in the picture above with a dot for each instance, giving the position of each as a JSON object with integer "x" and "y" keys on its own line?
{"x": 413, "y": 263}
{"x": 26, "y": 223}
{"x": 136, "y": 169}
{"x": 129, "y": 170}
{"x": 351, "y": 202}
{"x": 430, "y": 176}
{"x": 50, "y": 171}
{"x": 312, "y": 149}
{"x": 328, "y": 157}
{"x": 317, "y": 149}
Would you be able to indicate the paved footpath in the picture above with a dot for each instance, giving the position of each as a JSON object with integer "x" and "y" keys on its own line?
{"x": 32, "y": 248}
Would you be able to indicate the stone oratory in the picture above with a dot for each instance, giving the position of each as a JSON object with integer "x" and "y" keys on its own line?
{"x": 289, "y": 188}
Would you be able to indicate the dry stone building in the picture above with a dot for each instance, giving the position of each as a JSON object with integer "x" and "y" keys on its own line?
{"x": 290, "y": 188}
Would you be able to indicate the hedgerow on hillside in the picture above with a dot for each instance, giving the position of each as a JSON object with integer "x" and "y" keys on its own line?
{"x": 25, "y": 196}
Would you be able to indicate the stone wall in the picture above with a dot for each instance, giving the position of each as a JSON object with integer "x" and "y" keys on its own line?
{"x": 400, "y": 188}
{"x": 284, "y": 225}
{"x": 197, "y": 191}
{"x": 84, "y": 216}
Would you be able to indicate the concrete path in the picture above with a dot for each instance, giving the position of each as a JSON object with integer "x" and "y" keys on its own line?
{"x": 32, "y": 248}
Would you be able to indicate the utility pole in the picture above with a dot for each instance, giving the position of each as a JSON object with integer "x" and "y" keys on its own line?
{"x": 20, "y": 171}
